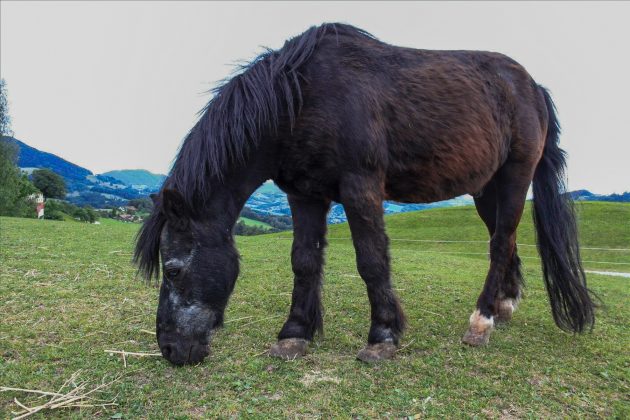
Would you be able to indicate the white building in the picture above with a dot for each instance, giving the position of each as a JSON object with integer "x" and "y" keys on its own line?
{"x": 38, "y": 200}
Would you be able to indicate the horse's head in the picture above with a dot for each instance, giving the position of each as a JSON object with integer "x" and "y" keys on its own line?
{"x": 199, "y": 269}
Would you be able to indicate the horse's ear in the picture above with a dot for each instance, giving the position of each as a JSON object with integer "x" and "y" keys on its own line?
{"x": 175, "y": 209}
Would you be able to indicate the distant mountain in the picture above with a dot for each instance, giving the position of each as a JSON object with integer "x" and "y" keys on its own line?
{"x": 30, "y": 157}
{"x": 137, "y": 177}
{"x": 585, "y": 195}
{"x": 83, "y": 186}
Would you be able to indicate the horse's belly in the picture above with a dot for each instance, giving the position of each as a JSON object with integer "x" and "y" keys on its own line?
{"x": 428, "y": 180}
{"x": 418, "y": 190}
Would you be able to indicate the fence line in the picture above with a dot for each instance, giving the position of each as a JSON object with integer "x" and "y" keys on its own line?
{"x": 608, "y": 273}
{"x": 447, "y": 241}
{"x": 485, "y": 253}
{"x": 439, "y": 241}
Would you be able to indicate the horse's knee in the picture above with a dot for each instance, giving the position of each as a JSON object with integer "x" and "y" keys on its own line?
{"x": 306, "y": 262}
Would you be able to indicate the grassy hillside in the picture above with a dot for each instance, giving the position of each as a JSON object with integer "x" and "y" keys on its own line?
{"x": 68, "y": 294}
{"x": 252, "y": 222}
{"x": 602, "y": 225}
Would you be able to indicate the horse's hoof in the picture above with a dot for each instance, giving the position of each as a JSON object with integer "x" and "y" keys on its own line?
{"x": 289, "y": 348}
{"x": 476, "y": 339}
{"x": 375, "y": 352}
{"x": 505, "y": 310}
{"x": 478, "y": 333}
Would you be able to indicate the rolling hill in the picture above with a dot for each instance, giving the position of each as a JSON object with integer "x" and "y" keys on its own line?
{"x": 84, "y": 187}
{"x": 137, "y": 177}
{"x": 30, "y": 157}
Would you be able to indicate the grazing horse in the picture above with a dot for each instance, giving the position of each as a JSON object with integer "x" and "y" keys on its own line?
{"x": 337, "y": 115}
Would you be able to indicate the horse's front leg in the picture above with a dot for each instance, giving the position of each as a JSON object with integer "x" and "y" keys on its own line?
{"x": 362, "y": 200}
{"x": 307, "y": 259}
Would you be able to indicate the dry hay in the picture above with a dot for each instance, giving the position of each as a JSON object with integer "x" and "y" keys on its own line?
{"x": 72, "y": 394}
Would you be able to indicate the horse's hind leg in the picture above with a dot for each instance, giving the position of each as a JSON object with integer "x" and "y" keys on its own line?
{"x": 510, "y": 291}
{"x": 307, "y": 259}
{"x": 512, "y": 182}
{"x": 362, "y": 200}
{"x": 510, "y": 287}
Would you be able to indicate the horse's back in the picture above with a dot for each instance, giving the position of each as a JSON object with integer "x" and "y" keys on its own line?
{"x": 436, "y": 124}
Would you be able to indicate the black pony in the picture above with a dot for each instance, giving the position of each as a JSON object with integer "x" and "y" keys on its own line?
{"x": 336, "y": 115}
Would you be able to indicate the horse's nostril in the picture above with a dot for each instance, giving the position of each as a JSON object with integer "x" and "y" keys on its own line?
{"x": 184, "y": 351}
{"x": 167, "y": 350}
{"x": 198, "y": 352}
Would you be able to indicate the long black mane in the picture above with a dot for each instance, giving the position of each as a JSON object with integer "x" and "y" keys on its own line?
{"x": 244, "y": 108}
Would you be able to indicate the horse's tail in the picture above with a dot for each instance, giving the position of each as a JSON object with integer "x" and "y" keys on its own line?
{"x": 557, "y": 235}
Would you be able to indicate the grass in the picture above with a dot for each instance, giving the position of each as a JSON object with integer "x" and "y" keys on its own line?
{"x": 252, "y": 222}
{"x": 68, "y": 294}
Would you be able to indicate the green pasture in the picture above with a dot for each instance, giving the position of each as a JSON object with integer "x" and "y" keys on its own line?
{"x": 68, "y": 294}
{"x": 252, "y": 222}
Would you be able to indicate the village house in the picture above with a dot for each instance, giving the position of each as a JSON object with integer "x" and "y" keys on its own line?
{"x": 39, "y": 204}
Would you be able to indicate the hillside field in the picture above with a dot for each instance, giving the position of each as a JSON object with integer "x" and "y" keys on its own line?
{"x": 68, "y": 293}
{"x": 252, "y": 222}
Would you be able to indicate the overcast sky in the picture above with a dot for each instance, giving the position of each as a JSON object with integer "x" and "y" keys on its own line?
{"x": 116, "y": 85}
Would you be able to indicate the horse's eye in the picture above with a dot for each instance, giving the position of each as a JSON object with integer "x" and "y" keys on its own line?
{"x": 171, "y": 273}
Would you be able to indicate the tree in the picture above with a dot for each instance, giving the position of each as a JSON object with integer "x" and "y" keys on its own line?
{"x": 79, "y": 213}
{"x": 9, "y": 175}
{"x": 9, "y": 172}
{"x": 143, "y": 204}
{"x": 242, "y": 229}
{"x": 54, "y": 210}
{"x": 92, "y": 215}
{"x": 14, "y": 186}
{"x": 85, "y": 214}
{"x": 5, "y": 119}
{"x": 49, "y": 183}
{"x": 25, "y": 207}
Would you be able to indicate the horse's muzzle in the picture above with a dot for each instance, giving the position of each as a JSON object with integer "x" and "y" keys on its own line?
{"x": 181, "y": 351}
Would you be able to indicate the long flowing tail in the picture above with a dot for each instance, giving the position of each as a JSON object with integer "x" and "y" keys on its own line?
{"x": 557, "y": 238}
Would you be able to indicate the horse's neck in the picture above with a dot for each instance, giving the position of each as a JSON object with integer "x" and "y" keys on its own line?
{"x": 229, "y": 195}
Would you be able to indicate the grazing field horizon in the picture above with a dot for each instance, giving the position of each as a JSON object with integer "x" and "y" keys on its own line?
{"x": 70, "y": 299}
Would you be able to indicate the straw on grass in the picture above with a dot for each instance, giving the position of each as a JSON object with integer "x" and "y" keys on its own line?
{"x": 124, "y": 354}
{"x": 131, "y": 353}
{"x": 79, "y": 396}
